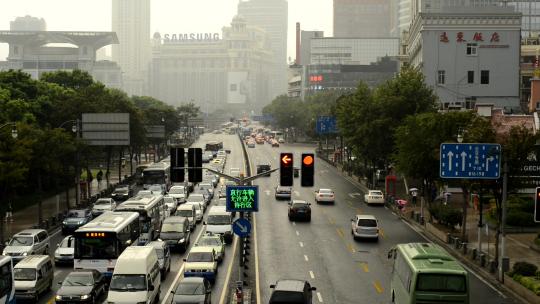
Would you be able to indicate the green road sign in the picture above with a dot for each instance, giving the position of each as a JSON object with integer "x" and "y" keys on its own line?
{"x": 242, "y": 198}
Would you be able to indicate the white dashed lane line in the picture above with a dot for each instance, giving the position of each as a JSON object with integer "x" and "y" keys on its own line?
{"x": 301, "y": 244}
{"x": 306, "y": 258}
{"x": 297, "y": 233}
{"x": 311, "y": 274}
{"x": 319, "y": 297}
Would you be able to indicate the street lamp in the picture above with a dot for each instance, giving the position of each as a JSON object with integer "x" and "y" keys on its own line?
{"x": 13, "y": 125}
{"x": 14, "y": 135}
{"x": 460, "y": 135}
{"x": 75, "y": 128}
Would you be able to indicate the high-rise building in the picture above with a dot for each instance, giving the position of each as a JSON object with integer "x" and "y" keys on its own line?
{"x": 271, "y": 16}
{"x": 362, "y": 18}
{"x": 131, "y": 22}
{"x": 305, "y": 45}
{"x": 403, "y": 15}
{"x": 530, "y": 16}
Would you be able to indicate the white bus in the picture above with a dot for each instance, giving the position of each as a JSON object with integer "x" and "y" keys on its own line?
{"x": 276, "y": 135}
{"x": 99, "y": 243}
{"x": 157, "y": 174}
{"x": 7, "y": 284}
{"x": 152, "y": 211}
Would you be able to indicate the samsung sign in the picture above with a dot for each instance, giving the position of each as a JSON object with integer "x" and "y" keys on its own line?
{"x": 174, "y": 38}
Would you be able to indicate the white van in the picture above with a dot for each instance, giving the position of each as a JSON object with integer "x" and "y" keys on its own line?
{"x": 188, "y": 211}
{"x": 136, "y": 277}
{"x": 33, "y": 276}
{"x": 219, "y": 221}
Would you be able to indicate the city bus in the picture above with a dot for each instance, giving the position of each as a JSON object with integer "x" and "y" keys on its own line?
{"x": 276, "y": 135}
{"x": 152, "y": 211}
{"x": 213, "y": 146}
{"x": 7, "y": 284}
{"x": 157, "y": 173}
{"x": 99, "y": 243}
{"x": 426, "y": 273}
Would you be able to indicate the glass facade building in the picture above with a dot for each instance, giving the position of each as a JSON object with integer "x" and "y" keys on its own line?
{"x": 352, "y": 51}
{"x": 530, "y": 22}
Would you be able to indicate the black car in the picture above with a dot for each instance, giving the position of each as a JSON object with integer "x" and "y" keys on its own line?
{"x": 262, "y": 169}
{"x": 82, "y": 286}
{"x": 122, "y": 194}
{"x": 74, "y": 219}
{"x": 291, "y": 292}
{"x": 299, "y": 210}
{"x": 192, "y": 290}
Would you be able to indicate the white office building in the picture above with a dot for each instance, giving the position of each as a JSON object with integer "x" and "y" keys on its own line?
{"x": 131, "y": 22}
{"x": 467, "y": 56}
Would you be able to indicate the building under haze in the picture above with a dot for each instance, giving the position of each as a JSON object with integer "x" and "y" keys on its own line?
{"x": 214, "y": 72}
{"x": 362, "y": 18}
{"x": 131, "y": 22}
{"x": 305, "y": 45}
{"x": 271, "y": 16}
{"x": 37, "y": 52}
{"x": 28, "y": 23}
{"x": 349, "y": 51}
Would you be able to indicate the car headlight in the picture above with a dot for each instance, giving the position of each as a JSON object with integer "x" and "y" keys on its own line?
{"x": 25, "y": 254}
{"x": 64, "y": 223}
{"x": 84, "y": 297}
{"x": 58, "y": 298}
{"x": 4, "y": 252}
{"x": 181, "y": 240}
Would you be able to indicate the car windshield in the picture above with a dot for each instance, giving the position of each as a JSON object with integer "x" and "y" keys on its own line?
{"x": 78, "y": 279}
{"x": 190, "y": 289}
{"x": 170, "y": 227}
{"x": 218, "y": 219}
{"x": 200, "y": 257}
{"x": 195, "y": 197}
{"x": 211, "y": 242}
{"x": 121, "y": 191}
{"x": 299, "y": 205}
{"x": 184, "y": 213}
{"x": 128, "y": 282}
{"x": 102, "y": 202}
{"x": 283, "y": 189}
{"x": 325, "y": 191}
{"x": 76, "y": 213}
{"x": 21, "y": 241}
{"x": 24, "y": 274}
{"x": 367, "y": 223}
{"x": 176, "y": 191}
{"x": 375, "y": 193}
{"x": 68, "y": 242}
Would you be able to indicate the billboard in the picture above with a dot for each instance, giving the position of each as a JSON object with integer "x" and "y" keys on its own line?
{"x": 237, "y": 87}
{"x": 105, "y": 129}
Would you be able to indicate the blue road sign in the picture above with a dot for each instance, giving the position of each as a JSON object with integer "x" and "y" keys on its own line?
{"x": 470, "y": 161}
{"x": 326, "y": 125}
{"x": 241, "y": 227}
{"x": 242, "y": 198}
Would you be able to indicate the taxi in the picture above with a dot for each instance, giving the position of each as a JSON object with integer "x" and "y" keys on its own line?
{"x": 216, "y": 242}
{"x": 201, "y": 262}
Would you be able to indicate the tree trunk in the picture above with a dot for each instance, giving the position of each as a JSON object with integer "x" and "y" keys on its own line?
{"x": 130, "y": 160}
{"x": 40, "y": 205}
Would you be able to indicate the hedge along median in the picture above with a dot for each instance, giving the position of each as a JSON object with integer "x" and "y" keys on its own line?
{"x": 527, "y": 275}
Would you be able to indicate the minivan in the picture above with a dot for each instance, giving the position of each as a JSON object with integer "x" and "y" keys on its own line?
{"x": 27, "y": 242}
{"x": 33, "y": 276}
{"x": 136, "y": 271}
{"x": 164, "y": 256}
{"x": 189, "y": 212}
{"x": 219, "y": 221}
{"x": 175, "y": 232}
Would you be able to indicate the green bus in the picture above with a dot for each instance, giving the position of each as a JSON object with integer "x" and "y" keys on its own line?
{"x": 426, "y": 273}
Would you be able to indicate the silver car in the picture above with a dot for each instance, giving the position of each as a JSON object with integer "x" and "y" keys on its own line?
{"x": 65, "y": 251}
{"x": 27, "y": 242}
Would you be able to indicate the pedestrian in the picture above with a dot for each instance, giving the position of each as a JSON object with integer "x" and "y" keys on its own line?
{"x": 9, "y": 213}
{"x": 99, "y": 176}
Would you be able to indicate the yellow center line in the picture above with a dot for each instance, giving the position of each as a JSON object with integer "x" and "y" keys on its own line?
{"x": 340, "y": 232}
{"x": 350, "y": 247}
{"x": 381, "y": 232}
{"x": 331, "y": 220}
{"x": 378, "y": 286}
{"x": 364, "y": 267}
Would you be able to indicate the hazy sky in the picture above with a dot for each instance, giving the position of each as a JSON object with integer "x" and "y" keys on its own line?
{"x": 168, "y": 16}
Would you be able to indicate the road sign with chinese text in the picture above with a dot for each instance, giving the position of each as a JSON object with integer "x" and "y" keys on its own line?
{"x": 242, "y": 198}
{"x": 470, "y": 161}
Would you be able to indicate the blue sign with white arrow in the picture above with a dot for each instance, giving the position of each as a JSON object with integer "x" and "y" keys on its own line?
{"x": 470, "y": 161}
{"x": 241, "y": 227}
{"x": 326, "y": 125}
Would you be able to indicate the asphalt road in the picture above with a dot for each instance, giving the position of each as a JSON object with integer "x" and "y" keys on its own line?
{"x": 323, "y": 251}
{"x": 234, "y": 160}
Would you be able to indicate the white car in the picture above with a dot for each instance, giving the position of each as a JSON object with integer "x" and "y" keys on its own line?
{"x": 65, "y": 251}
{"x": 374, "y": 197}
{"x": 365, "y": 226}
{"x": 102, "y": 205}
{"x": 324, "y": 195}
{"x": 178, "y": 193}
{"x": 171, "y": 203}
{"x": 199, "y": 210}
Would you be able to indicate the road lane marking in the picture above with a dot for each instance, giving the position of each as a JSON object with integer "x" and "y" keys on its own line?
{"x": 311, "y": 274}
{"x": 224, "y": 291}
{"x": 378, "y": 287}
{"x": 301, "y": 244}
{"x": 364, "y": 267}
{"x": 340, "y": 233}
{"x": 350, "y": 247}
{"x": 306, "y": 258}
{"x": 294, "y": 223}
{"x": 319, "y": 297}
{"x": 297, "y": 233}
{"x": 381, "y": 232}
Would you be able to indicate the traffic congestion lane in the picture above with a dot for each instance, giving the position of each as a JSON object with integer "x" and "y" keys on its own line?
{"x": 368, "y": 258}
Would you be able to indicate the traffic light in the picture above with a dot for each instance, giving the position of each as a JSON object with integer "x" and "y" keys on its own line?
{"x": 308, "y": 169}
{"x": 177, "y": 160}
{"x": 286, "y": 169}
{"x": 195, "y": 161}
{"x": 537, "y": 205}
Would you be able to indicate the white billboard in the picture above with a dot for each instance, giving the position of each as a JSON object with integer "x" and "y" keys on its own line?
{"x": 105, "y": 129}
{"x": 237, "y": 87}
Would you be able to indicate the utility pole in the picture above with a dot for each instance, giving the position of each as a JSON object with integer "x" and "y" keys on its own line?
{"x": 76, "y": 129}
{"x": 503, "y": 219}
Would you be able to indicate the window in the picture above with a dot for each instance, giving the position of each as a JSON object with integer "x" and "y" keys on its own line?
{"x": 484, "y": 77}
{"x": 441, "y": 77}
{"x": 6, "y": 283}
{"x": 470, "y": 76}
{"x": 470, "y": 103}
{"x": 471, "y": 49}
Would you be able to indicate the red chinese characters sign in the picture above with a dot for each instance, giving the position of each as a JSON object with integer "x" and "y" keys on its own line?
{"x": 477, "y": 36}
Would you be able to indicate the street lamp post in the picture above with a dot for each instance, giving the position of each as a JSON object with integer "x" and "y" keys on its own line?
{"x": 14, "y": 135}
{"x": 75, "y": 128}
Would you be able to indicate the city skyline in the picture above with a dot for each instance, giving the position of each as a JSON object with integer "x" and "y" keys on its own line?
{"x": 167, "y": 16}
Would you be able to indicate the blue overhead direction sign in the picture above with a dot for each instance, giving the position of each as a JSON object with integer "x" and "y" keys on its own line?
{"x": 241, "y": 227}
{"x": 326, "y": 125}
{"x": 470, "y": 161}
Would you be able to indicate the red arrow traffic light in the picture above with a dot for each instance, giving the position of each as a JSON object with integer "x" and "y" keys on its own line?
{"x": 286, "y": 158}
{"x": 286, "y": 169}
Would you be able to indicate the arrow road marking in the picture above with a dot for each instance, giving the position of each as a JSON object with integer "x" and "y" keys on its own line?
{"x": 243, "y": 228}
{"x": 463, "y": 158}
{"x": 450, "y": 155}
{"x": 488, "y": 160}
